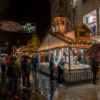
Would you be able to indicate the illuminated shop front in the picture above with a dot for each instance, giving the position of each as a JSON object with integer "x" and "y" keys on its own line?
{"x": 90, "y": 20}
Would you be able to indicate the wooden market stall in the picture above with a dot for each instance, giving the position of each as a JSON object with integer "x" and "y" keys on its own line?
{"x": 69, "y": 45}
{"x": 27, "y": 50}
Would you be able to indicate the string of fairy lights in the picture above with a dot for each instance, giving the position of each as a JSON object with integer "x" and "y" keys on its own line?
{"x": 75, "y": 42}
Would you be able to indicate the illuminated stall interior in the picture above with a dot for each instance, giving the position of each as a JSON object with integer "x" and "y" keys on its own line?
{"x": 71, "y": 45}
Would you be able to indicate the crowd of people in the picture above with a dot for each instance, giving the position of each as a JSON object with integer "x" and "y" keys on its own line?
{"x": 16, "y": 68}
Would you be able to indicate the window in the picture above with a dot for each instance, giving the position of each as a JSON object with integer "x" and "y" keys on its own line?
{"x": 84, "y": 1}
{"x": 82, "y": 34}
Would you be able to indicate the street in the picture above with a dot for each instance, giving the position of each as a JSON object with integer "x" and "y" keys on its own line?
{"x": 41, "y": 88}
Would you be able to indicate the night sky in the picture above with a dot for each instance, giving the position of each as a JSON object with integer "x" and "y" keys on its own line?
{"x": 34, "y": 11}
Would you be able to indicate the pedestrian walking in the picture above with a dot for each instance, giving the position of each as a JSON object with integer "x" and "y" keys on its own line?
{"x": 36, "y": 64}
{"x": 14, "y": 73}
{"x": 60, "y": 68}
{"x": 3, "y": 65}
{"x": 26, "y": 72}
{"x": 51, "y": 67}
{"x": 93, "y": 67}
{"x": 33, "y": 58}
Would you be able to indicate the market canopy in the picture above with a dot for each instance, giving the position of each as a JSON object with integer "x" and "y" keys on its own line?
{"x": 27, "y": 48}
{"x": 79, "y": 37}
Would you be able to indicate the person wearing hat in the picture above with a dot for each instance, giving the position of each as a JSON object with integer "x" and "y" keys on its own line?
{"x": 14, "y": 73}
{"x": 26, "y": 71}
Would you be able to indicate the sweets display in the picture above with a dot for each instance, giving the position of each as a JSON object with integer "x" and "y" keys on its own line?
{"x": 80, "y": 66}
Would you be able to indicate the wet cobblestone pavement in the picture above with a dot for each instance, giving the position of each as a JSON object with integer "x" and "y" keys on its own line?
{"x": 44, "y": 89}
{"x": 41, "y": 88}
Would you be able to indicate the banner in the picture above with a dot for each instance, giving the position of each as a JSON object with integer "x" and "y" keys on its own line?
{"x": 21, "y": 27}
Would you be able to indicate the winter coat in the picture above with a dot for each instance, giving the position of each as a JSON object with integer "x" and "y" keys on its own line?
{"x": 14, "y": 71}
{"x": 79, "y": 58}
{"x": 52, "y": 64}
{"x": 47, "y": 59}
{"x": 62, "y": 63}
{"x": 7, "y": 59}
{"x": 36, "y": 62}
{"x": 93, "y": 65}
{"x": 26, "y": 67}
{"x": 33, "y": 60}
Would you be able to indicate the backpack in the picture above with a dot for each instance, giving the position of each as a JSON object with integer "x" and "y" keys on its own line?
{"x": 27, "y": 65}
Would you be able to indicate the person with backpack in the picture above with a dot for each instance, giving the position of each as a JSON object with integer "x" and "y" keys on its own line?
{"x": 60, "y": 68}
{"x": 26, "y": 71}
{"x": 14, "y": 73}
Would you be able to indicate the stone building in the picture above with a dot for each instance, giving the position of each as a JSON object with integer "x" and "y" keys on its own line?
{"x": 78, "y": 12}
{"x": 67, "y": 9}
{"x": 89, "y": 13}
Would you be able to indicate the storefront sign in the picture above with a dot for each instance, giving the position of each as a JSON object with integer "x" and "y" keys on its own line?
{"x": 92, "y": 18}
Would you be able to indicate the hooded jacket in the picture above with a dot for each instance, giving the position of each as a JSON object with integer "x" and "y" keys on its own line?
{"x": 14, "y": 71}
{"x": 62, "y": 63}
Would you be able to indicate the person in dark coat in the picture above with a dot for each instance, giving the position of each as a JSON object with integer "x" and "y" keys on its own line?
{"x": 26, "y": 72}
{"x": 79, "y": 58}
{"x": 93, "y": 67}
{"x": 33, "y": 58}
{"x": 36, "y": 64}
{"x": 82, "y": 60}
{"x": 14, "y": 73}
{"x": 51, "y": 67}
{"x": 47, "y": 58}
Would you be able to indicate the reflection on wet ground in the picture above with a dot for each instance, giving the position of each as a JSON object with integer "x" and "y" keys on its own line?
{"x": 41, "y": 88}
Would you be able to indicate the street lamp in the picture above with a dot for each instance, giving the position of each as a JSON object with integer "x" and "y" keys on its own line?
{"x": 6, "y": 43}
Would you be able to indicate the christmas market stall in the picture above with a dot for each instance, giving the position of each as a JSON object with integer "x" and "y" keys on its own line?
{"x": 26, "y": 50}
{"x": 72, "y": 46}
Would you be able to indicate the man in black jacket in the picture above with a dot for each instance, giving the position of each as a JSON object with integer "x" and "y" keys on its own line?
{"x": 14, "y": 73}
{"x": 26, "y": 72}
{"x": 94, "y": 67}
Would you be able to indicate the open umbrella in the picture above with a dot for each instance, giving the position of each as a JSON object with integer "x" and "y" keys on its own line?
{"x": 94, "y": 49}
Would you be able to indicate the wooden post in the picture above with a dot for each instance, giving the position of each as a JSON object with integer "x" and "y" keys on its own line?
{"x": 69, "y": 57}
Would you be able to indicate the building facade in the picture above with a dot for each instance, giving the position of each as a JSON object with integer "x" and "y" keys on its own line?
{"x": 89, "y": 13}
{"x": 78, "y": 12}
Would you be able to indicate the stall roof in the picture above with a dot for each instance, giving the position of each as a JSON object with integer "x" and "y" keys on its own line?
{"x": 54, "y": 40}
{"x": 27, "y": 48}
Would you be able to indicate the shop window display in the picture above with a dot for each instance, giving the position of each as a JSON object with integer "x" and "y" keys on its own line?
{"x": 90, "y": 20}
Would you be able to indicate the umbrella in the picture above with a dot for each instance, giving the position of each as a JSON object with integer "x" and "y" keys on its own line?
{"x": 93, "y": 49}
